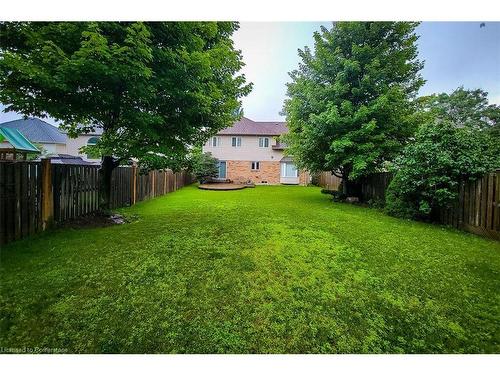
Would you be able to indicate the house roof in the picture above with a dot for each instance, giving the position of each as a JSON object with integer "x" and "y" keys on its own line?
{"x": 245, "y": 126}
{"x": 69, "y": 160}
{"x": 37, "y": 130}
{"x": 15, "y": 140}
{"x": 97, "y": 131}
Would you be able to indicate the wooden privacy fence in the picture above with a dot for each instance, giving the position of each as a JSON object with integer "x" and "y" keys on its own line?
{"x": 122, "y": 179}
{"x": 75, "y": 191}
{"x": 373, "y": 187}
{"x": 328, "y": 180}
{"x": 20, "y": 200}
{"x": 477, "y": 209}
{"x": 35, "y": 194}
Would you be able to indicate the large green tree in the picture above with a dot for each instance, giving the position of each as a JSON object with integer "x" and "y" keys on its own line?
{"x": 463, "y": 108}
{"x": 458, "y": 141}
{"x": 350, "y": 103}
{"x": 154, "y": 88}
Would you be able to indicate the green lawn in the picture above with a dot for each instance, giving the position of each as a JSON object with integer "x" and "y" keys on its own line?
{"x": 264, "y": 270}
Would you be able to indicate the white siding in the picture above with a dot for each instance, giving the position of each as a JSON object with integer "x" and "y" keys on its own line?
{"x": 249, "y": 149}
{"x": 53, "y": 148}
{"x": 74, "y": 144}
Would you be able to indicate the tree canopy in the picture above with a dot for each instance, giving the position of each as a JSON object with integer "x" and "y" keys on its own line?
{"x": 457, "y": 142}
{"x": 463, "y": 108}
{"x": 349, "y": 107}
{"x": 154, "y": 88}
{"x": 431, "y": 168}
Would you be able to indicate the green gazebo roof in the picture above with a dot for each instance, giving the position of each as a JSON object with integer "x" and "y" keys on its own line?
{"x": 17, "y": 141}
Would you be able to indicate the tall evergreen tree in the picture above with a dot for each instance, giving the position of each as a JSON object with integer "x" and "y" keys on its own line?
{"x": 349, "y": 105}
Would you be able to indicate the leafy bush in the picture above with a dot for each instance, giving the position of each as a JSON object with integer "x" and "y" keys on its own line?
{"x": 328, "y": 191}
{"x": 204, "y": 166}
{"x": 376, "y": 203}
{"x": 431, "y": 168}
{"x": 315, "y": 179}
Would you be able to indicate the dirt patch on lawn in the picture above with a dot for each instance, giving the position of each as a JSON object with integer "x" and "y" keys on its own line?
{"x": 97, "y": 221}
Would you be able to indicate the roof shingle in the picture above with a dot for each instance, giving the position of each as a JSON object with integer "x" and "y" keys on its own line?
{"x": 37, "y": 130}
{"x": 245, "y": 126}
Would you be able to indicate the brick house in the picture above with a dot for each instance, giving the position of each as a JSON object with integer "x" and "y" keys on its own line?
{"x": 251, "y": 151}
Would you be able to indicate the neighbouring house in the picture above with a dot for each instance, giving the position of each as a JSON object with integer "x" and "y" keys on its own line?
{"x": 88, "y": 139}
{"x": 251, "y": 151}
{"x": 52, "y": 140}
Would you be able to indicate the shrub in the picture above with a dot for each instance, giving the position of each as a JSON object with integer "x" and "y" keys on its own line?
{"x": 204, "y": 166}
{"x": 431, "y": 168}
{"x": 328, "y": 191}
{"x": 376, "y": 203}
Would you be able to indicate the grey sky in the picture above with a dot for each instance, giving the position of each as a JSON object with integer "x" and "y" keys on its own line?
{"x": 455, "y": 54}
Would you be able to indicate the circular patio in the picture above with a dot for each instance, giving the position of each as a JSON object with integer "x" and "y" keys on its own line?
{"x": 221, "y": 186}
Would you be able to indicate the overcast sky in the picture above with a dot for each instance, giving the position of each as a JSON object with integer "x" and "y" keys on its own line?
{"x": 455, "y": 54}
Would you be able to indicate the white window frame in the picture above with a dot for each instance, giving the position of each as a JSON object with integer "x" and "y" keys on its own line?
{"x": 255, "y": 165}
{"x": 283, "y": 170}
{"x": 263, "y": 142}
{"x": 236, "y": 141}
{"x": 215, "y": 142}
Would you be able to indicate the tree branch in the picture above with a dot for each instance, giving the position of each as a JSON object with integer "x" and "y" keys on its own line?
{"x": 337, "y": 175}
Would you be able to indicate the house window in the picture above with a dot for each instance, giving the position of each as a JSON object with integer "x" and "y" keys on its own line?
{"x": 264, "y": 142}
{"x": 215, "y": 141}
{"x": 236, "y": 141}
{"x": 255, "y": 165}
{"x": 289, "y": 170}
{"x": 92, "y": 151}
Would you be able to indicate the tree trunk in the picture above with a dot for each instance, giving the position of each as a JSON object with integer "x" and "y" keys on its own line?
{"x": 108, "y": 164}
{"x": 350, "y": 188}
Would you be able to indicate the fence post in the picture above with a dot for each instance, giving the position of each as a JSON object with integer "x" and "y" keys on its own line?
{"x": 47, "y": 195}
{"x": 164, "y": 181}
{"x": 153, "y": 185}
{"x": 134, "y": 184}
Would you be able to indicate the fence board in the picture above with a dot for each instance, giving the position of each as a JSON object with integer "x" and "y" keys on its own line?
{"x": 19, "y": 202}
{"x": 328, "y": 180}
{"x": 476, "y": 210}
{"x": 75, "y": 191}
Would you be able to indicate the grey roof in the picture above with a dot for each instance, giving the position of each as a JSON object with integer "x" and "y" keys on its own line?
{"x": 37, "y": 130}
{"x": 69, "y": 160}
{"x": 286, "y": 159}
{"x": 245, "y": 126}
{"x": 97, "y": 131}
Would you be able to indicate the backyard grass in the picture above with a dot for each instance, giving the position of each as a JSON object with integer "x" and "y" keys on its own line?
{"x": 264, "y": 270}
